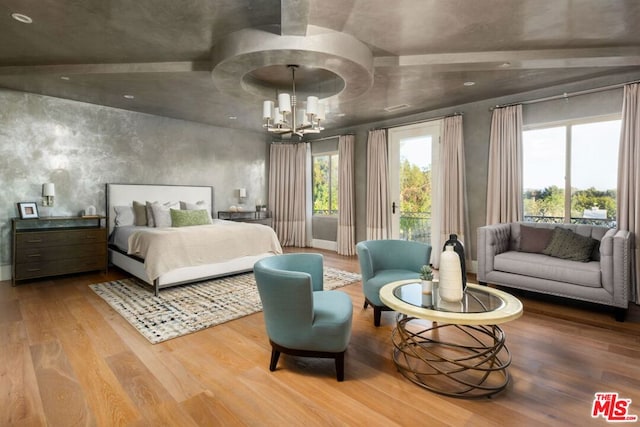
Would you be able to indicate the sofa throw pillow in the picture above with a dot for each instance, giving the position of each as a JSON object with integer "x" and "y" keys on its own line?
{"x": 534, "y": 239}
{"x": 186, "y": 218}
{"x": 566, "y": 244}
{"x": 140, "y": 213}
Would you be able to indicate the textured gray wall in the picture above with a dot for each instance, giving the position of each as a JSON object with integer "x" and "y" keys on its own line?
{"x": 80, "y": 147}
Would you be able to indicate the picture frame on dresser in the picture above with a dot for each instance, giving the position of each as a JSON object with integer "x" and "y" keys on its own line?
{"x": 28, "y": 210}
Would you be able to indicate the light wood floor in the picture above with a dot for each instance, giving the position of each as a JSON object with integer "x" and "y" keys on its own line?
{"x": 66, "y": 358}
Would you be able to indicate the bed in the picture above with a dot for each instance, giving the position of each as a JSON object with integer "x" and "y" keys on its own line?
{"x": 163, "y": 256}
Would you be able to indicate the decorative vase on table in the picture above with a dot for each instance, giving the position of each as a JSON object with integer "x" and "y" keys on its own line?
{"x": 458, "y": 248}
{"x": 450, "y": 287}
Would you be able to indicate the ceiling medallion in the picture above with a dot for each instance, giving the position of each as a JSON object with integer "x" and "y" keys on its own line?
{"x": 253, "y": 64}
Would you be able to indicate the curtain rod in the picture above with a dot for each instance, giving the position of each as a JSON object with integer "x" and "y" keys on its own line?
{"x": 421, "y": 121}
{"x": 565, "y": 95}
{"x": 288, "y": 141}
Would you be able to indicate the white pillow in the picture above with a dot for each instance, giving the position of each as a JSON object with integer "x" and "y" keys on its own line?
{"x": 186, "y": 206}
{"x": 124, "y": 215}
{"x": 162, "y": 213}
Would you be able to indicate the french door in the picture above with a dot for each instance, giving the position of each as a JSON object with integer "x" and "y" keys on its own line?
{"x": 414, "y": 182}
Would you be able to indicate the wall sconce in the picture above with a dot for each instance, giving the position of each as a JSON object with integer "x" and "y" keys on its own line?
{"x": 48, "y": 193}
{"x": 242, "y": 194}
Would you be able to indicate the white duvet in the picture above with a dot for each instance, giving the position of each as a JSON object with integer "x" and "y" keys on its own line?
{"x": 165, "y": 249}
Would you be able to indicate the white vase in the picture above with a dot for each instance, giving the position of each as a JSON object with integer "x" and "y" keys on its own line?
{"x": 427, "y": 286}
{"x": 450, "y": 288}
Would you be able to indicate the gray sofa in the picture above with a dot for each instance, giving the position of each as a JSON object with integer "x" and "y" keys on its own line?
{"x": 604, "y": 279}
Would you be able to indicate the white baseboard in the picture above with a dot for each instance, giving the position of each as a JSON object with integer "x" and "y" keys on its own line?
{"x": 324, "y": 244}
{"x": 5, "y": 272}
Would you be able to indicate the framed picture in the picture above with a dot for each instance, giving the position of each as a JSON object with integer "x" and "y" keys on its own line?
{"x": 28, "y": 210}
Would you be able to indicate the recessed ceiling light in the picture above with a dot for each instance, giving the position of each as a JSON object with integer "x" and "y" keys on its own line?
{"x": 393, "y": 108}
{"x": 469, "y": 83}
{"x": 128, "y": 96}
{"x": 340, "y": 114}
{"x": 65, "y": 78}
{"x": 233, "y": 117}
{"x": 22, "y": 18}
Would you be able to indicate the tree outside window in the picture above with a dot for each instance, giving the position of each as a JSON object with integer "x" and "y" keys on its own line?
{"x": 325, "y": 184}
{"x": 570, "y": 172}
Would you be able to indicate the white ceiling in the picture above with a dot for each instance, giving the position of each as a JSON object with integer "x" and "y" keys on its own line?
{"x": 421, "y": 52}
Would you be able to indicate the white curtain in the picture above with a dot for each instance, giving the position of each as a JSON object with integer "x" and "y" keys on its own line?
{"x": 629, "y": 176}
{"x": 346, "y": 195}
{"x": 377, "y": 217}
{"x": 504, "y": 184}
{"x": 453, "y": 188}
{"x": 288, "y": 192}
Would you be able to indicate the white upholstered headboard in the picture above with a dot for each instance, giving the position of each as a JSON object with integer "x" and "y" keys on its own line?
{"x": 125, "y": 194}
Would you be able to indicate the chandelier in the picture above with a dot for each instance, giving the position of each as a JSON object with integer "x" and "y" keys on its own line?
{"x": 288, "y": 118}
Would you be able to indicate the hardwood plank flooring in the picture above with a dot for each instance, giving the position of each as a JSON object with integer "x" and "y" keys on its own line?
{"x": 67, "y": 358}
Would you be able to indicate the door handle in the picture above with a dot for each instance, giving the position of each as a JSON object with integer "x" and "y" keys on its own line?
{"x": 393, "y": 207}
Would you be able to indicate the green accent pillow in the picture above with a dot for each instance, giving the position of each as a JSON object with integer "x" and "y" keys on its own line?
{"x": 566, "y": 244}
{"x": 180, "y": 218}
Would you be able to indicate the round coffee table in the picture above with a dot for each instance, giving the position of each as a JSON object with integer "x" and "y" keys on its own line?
{"x": 455, "y": 349}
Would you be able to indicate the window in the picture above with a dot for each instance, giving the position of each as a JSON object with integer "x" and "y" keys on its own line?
{"x": 570, "y": 172}
{"x": 325, "y": 184}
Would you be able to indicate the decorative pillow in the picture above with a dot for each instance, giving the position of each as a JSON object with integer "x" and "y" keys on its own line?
{"x": 534, "y": 239}
{"x": 566, "y": 244}
{"x": 185, "y": 218}
{"x": 124, "y": 215}
{"x": 139, "y": 213}
{"x": 162, "y": 214}
{"x": 150, "y": 220}
{"x": 196, "y": 206}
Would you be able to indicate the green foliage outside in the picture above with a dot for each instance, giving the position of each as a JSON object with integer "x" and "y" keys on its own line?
{"x": 415, "y": 201}
{"x": 415, "y": 188}
{"x": 550, "y": 202}
{"x": 325, "y": 184}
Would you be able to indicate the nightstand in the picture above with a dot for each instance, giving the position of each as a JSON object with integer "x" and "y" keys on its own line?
{"x": 261, "y": 217}
{"x": 54, "y": 246}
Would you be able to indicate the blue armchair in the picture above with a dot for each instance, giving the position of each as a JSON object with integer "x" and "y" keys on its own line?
{"x": 302, "y": 319}
{"x": 385, "y": 261}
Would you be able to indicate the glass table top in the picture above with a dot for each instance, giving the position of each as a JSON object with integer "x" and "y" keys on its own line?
{"x": 474, "y": 300}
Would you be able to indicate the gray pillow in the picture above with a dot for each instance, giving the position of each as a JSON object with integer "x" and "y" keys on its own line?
{"x": 124, "y": 215}
{"x": 534, "y": 239}
{"x": 162, "y": 213}
{"x": 566, "y": 244}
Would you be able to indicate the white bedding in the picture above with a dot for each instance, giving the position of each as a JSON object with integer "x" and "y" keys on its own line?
{"x": 166, "y": 249}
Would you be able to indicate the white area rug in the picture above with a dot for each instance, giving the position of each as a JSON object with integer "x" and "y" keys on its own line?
{"x": 181, "y": 310}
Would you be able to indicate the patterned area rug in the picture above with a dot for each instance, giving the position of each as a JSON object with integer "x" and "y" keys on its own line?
{"x": 181, "y": 310}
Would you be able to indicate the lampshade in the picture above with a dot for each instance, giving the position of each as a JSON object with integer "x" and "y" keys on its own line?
{"x": 48, "y": 189}
{"x": 267, "y": 110}
{"x": 284, "y": 103}
{"x": 312, "y": 105}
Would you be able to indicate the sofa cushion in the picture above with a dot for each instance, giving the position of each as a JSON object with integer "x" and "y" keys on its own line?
{"x": 566, "y": 244}
{"x": 534, "y": 239}
{"x": 550, "y": 268}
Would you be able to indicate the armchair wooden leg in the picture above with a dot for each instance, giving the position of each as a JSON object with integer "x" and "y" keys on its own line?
{"x": 275, "y": 355}
{"x": 340, "y": 366}
{"x": 377, "y": 313}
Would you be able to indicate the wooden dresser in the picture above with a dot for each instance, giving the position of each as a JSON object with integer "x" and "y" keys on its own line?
{"x": 58, "y": 245}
